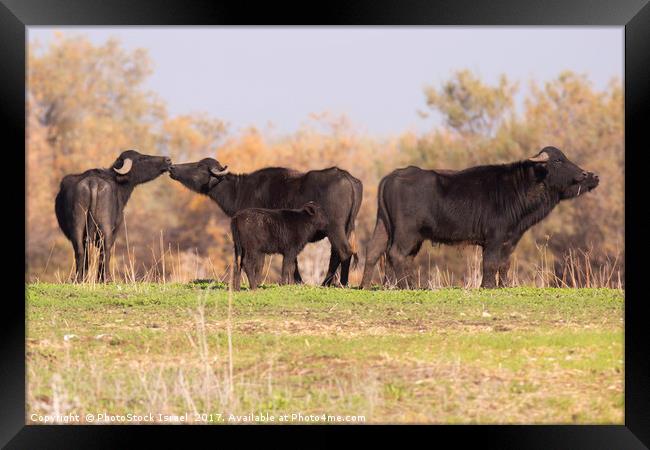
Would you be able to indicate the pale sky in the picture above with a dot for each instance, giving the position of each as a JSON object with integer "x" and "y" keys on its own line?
{"x": 375, "y": 75}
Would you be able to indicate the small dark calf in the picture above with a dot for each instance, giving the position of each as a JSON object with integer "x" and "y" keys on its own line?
{"x": 257, "y": 232}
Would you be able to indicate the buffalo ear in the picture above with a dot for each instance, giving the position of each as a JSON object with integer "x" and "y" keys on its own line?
{"x": 310, "y": 210}
{"x": 541, "y": 171}
{"x": 213, "y": 182}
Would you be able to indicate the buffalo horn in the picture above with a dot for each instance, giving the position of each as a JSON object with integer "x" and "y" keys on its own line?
{"x": 219, "y": 173}
{"x": 542, "y": 157}
{"x": 126, "y": 167}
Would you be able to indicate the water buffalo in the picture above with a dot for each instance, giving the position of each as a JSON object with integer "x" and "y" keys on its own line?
{"x": 259, "y": 231}
{"x": 90, "y": 205}
{"x": 338, "y": 193}
{"x": 491, "y": 206}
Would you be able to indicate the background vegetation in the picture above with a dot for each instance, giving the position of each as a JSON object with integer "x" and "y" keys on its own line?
{"x": 86, "y": 103}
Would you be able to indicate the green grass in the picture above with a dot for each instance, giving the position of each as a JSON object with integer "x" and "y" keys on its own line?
{"x": 518, "y": 355}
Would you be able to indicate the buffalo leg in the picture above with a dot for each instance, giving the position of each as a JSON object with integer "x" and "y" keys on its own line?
{"x": 504, "y": 264}
{"x": 398, "y": 260}
{"x": 387, "y": 268}
{"x": 502, "y": 268}
{"x": 502, "y": 271}
{"x": 288, "y": 269}
{"x": 401, "y": 255}
{"x": 409, "y": 271}
{"x": 341, "y": 251}
{"x": 81, "y": 261}
{"x": 236, "y": 270}
{"x": 247, "y": 265}
{"x": 296, "y": 273}
{"x": 403, "y": 268}
{"x": 491, "y": 261}
{"x": 376, "y": 247}
{"x": 345, "y": 271}
{"x": 345, "y": 264}
{"x": 409, "y": 265}
{"x": 259, "y": 267}
{"x": 252, "y": 268}
{"x": 80, "y": 247}
{"x": 105, "y": 245}
{"x": 331, "y": 270}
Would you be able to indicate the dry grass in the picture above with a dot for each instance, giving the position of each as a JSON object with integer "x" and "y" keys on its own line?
{"x": 579, "y": 268}
{"x": 447, "y": 356}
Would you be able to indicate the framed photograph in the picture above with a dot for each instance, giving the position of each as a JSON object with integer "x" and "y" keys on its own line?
{"x": 373, "y": 215}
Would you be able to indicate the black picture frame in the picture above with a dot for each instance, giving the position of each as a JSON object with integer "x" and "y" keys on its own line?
{"x": 634, "y": 15}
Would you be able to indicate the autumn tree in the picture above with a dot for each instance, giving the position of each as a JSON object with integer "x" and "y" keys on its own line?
{"x": 469, "y": 106}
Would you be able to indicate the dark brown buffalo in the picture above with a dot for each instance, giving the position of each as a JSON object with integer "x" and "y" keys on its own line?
{"x": 338, "y": 193}
{"x": 491, "y": 206}
{"x": 90, "y": 205}
{"x": 257, "y": 232}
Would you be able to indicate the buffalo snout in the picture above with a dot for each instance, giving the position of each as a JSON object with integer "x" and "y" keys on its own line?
{"x": 582, "y": 176}
{"x": 589, "y": 180}
{"x": 586, "y": 177}
{"x": 181, "y": 172}
{"x": 167, "y": 163}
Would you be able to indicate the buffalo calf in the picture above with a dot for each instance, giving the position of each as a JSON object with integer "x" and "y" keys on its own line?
{"x": 258, "y": 231}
